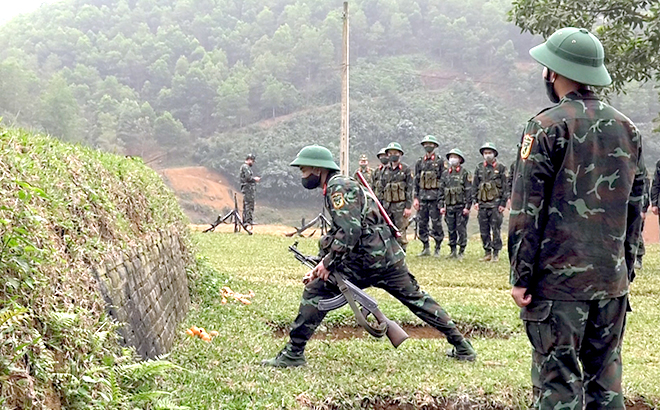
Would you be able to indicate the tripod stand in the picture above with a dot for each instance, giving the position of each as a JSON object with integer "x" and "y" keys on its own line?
{"x": 320, "y": 219}
{"x": 234, "y": 216}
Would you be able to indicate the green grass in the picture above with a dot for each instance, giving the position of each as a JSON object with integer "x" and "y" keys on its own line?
{"x": 355, "y": 373}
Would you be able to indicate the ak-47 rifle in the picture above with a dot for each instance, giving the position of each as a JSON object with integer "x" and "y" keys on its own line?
{"x": 353, "y": 295}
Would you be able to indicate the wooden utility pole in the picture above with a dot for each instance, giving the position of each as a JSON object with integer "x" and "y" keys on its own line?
{"x": 343, "y": 144}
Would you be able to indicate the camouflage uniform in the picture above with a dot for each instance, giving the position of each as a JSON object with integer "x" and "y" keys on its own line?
{"x": 455, "y": 197}
{"x": 368, "y": 175}
{"x": 646, "y": 202}
{"x": 378, "y": 174}
{"x": 573, "y": 231}
{"x": 361, "y": 246}
{"x": 428, "y": 172}
{"x": 489, "y": 190}
{"x": 396, "y": 190}
{"x": 249, "y": 189}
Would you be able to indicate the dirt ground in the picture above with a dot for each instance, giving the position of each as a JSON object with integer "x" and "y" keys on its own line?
{"x": 202, "y": 186}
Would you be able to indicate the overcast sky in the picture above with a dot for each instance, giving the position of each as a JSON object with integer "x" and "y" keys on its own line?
{"x": 12, "y": 8}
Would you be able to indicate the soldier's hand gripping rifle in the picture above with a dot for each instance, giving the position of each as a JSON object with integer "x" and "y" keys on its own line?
{"x": 353, "y": 295}
{"x": 383, "y": 213}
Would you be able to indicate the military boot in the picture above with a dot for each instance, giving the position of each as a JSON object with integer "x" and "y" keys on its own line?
{"x": 436, "y": 253}
{"x": 496, "y": 257}
{"x": 286, "y": 358}
{"x": 463, "y": 351}
{"x": 461, "y": 253}
{"x": 638, "y": 263}
{"x": 452, "y": 254}
{"x": 487, "y": 257}
{"x": 426, "y": 251}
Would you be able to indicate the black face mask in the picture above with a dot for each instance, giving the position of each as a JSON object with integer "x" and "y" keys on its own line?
{"x": 394, "y": 158}
{"x": 384, "y": 160}
{"x": 429, "y": 149}
{"x": 312, "y": 181}
{"x": 550, "y": 89}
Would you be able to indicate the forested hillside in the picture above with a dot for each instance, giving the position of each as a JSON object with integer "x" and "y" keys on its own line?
{"x": 218, "y": 78}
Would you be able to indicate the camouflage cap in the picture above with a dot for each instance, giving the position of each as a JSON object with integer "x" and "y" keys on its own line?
{"x": 432, "y": 139}
{"x": 458, "y": 152}
{"x": 490, "y": 146}
{"x": 394, "y": 146}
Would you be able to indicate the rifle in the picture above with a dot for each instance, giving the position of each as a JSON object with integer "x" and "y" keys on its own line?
{"x": 383, "y": 213}
{"x": 353, "y": 295}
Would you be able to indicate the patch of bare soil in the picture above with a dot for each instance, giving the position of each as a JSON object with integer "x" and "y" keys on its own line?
{"x": 414, "y": 331}
{"x": 202, "y": 186}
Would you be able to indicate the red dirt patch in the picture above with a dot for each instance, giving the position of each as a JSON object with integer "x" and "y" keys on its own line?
{"x": 202, "y": 186}
{"x": 651, "y": 229}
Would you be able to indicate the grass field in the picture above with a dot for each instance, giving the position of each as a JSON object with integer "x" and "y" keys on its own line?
{"x": 362, "y": 372}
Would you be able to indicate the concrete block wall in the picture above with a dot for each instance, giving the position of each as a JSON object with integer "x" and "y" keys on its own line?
{"x": 146, "y": 290}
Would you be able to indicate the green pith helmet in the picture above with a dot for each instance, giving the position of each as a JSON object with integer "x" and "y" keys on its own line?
{"x": 394, "y": 145}
{"x": 576, "y": 54}
{"x": 458, "y": 152}
{"x": 381, "y": 152}
{"x": 431, "y": 139}
{"x": 315, "y": 156}
{"x": 488, "y": 145}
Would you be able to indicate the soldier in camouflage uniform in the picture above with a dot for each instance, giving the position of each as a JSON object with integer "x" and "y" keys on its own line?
{"x": 367, "y": 172}
{"x": 248, "y": 188}
{"x": 489, "y": 193}
{"x": 396, "y": 188}
{"x": 378, "y": 172}
{"x": 455, "y": 202}
{"x": 574, "y": 227}
{"x": 362, "y": 247}
{"x": 428, "y": 172}
{"x": 646, "y": 202}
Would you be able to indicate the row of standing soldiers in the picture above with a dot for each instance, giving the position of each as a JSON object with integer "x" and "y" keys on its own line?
{"x": 434, "y": 189}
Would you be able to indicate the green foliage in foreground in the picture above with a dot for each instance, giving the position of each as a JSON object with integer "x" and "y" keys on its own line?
{"x": 356, "y": 373}
{"x": 64, "y": 208}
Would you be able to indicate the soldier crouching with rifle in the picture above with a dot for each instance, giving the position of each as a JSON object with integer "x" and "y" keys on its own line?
{"x": 361, "y": 248}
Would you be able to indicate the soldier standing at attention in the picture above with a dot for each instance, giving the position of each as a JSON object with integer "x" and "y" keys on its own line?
{"x": 248, "y": 188}
{"x": 574, "y": 228}
{"x": 378, "y": 173}
{"x": 489, "y": 193}
{"x": 428, "y": 172}
{"x": 455, "y": 202}
{"x": 367, "y": 172}
{"x": 397, "y": 190}
{"x": 360, "y": 246}
{"x": 646, "y": 202}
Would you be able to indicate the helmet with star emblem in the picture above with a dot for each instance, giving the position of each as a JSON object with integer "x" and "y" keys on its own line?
{"x": 315, "y": 156}
{"x": 490, "y": 146}
{"x": 394, "y": 146}
{"x": 431, "y": 139}
{"x": 576, "y": 54}
{"x": 458, "y": 152}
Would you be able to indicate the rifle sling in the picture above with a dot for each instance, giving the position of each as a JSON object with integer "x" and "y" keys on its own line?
{"x": 375, "y": 331}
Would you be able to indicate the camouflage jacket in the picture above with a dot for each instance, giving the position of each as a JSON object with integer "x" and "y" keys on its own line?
{"x": 378, "y": 173}
{"x": 489, "y": 186}
{"x": 359, "y": 238}
{"x": 396, "y": 185}
{"x": 428, "y": 172}
{"x": 575, "y": 208}
{"x": 455, "y": 188}
{"x": 247, "y": 178}
{"x": 368, "y": 175}
{"x": 646, "y": 198}
{"x": 509, "y": 180}
{"x": 655, "y": 186}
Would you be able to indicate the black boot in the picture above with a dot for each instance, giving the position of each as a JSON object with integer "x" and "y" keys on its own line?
{"x": 461, "y": 253}
{"x": 287, "y": 357}
{"x": 426, "y": 251}
{"x": 436, "y": 253}
{"x": 463, "y": 351}
{"x": 452, "y": 254}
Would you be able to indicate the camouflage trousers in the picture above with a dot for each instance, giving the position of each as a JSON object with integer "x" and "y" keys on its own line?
{"x": 576, "y": 358}
{"x": 395, "y": 212}
{"x": 248, "y": 205}
{"x": 429, "y": 212}
{"x": 457, "y": 226}
{"x": 396, "y": 280}
{"x": 641, "y": 250}
{"x": 490, "y": 221}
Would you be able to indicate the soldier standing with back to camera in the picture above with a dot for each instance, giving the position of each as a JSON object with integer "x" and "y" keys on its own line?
{"x": 428, "y": 172}
{"x": 489, "y": 193}
{"x": 574, "y": 229}
{"x": 455, "y": 201}
{"x": 248, "y": 188}
{"x": 397, "y": 190}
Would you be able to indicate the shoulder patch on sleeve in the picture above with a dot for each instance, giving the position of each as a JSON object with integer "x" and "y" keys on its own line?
{"x": 338, "y": 200}
{"x": 526, "y": 146}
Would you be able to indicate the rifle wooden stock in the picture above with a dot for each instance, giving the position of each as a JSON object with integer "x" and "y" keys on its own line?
{"x": 383, "y": 213}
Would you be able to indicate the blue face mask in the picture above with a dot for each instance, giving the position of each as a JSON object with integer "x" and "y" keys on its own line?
{"x": 312, "y": 181}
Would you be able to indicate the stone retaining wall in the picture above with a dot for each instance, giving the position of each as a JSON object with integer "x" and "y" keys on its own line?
{"x": 147, "y": 291}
